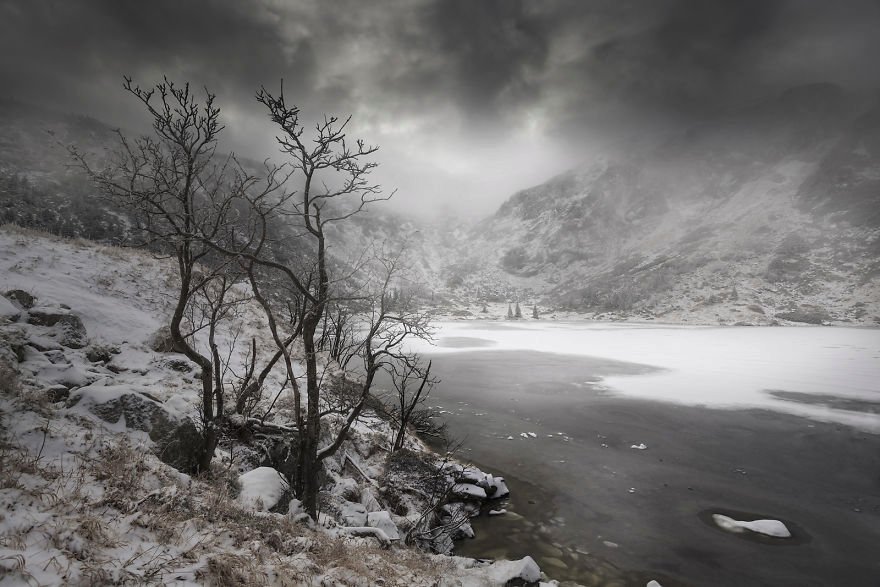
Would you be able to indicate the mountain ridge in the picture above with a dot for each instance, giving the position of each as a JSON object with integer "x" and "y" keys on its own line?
{"x": 768, "y": 213}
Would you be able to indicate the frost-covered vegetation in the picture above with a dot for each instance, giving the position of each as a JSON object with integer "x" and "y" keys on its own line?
{"x": 98, "y": 426}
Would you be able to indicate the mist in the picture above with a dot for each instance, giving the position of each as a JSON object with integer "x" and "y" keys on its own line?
{"x": 468, "y": 101}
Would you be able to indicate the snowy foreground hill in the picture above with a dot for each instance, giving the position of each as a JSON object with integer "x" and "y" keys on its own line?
{"x": 94, "y": 431}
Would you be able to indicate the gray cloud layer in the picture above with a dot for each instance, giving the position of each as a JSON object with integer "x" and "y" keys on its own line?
{"x": 469, "y": 99}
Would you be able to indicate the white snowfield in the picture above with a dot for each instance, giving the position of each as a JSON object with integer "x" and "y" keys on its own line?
{"x": 719, "y": 367}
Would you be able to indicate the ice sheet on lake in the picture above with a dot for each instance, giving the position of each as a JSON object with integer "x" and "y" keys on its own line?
{"x": 726, "y": 367}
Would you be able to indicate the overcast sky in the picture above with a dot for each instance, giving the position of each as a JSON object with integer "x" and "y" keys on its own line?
{"x": 469, "y": 100}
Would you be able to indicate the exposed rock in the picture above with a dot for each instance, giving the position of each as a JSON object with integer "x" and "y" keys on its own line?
{"x": 280, "y": 453}
{"x": 515, "y": 573}
{"x": 179, "y": 364}
{"x": 382, "y": 520}
{"x": 72, "y": 331}
{"x": 806, "y": 314}
{"x": 13, "y": 344}
{"x": 99, "y": 353}
{"x": 161, "y": 340}
{"x": 9, "y": 311}
{"x": 349, "y": 489}
{"x": 468, "y": 491}
{"x": 369, "y": 531}
{"x": 495, "y": 487}
{"x": 57, "y": 393}
{"x": 24, "y": 300}
{"x": 178, "y": 442}
{"x": 353, "y": 514}
{"x": 441, "y": 543}
{"x": 264, "y": 489}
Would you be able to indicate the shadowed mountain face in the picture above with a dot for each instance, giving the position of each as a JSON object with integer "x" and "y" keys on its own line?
{"x": 771, "y": 213}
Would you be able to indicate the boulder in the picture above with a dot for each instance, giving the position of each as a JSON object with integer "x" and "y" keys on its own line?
{"x": 9, "y": 311}
{"x": 161, "y": 341}
{"x": 24, "y": 300}
{"x": 180, "y": 364}
{"x": 57, "y": 393}
{"x": 280, "y": 453}
{"x": 515, "y": 573}
{"x": 262, "y": 489}
{"x": 382, "y": 520}
{"x": 178, "y": 442}
{"x": 13, "y": 344}
{"x": 99, "y": 353}
{"x": 468, "y": 491}
{"x": 495, "y": 487}
{"x": 72, "y": 331}
{"x": 353, "y": 514}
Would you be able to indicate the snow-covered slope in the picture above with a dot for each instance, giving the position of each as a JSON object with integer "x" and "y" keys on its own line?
{"x": 94, "y": 423}
{"x": 769, "y": 215}
{"x": 766, "y": 215}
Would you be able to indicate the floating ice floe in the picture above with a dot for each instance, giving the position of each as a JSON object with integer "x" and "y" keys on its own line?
{"x": 640, "y": 446}
{"x": 773, "y": 528}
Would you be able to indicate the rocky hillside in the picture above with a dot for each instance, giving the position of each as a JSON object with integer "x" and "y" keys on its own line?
{"x": 98, "y": 429}
{"x": 769, "y": 215}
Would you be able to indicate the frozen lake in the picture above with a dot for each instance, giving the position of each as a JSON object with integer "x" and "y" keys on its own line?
{"x": 828, "y": 374}
{"x": 775, "y": 422}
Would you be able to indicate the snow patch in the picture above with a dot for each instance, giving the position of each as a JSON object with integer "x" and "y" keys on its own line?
{"x": 773, "y": 528}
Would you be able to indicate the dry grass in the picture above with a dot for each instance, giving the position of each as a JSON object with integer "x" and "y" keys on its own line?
{"x": 174, "y": 526}
{"x": 231, "y": 569}
{"x": 9, "y": 383}
{"x": 121, "y": 467}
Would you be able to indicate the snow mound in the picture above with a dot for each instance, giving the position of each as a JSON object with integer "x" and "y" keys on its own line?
{"x": 773, "y": 528}
{"x": 261, "y": 489}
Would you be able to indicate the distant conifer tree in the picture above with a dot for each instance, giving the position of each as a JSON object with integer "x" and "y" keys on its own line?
{"x": 518, "y": 313}
{"x": 509, "y": 312}
{"x": 535, "y": 312}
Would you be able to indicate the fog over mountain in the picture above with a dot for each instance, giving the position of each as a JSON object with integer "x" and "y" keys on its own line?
{"x": 316, "y": 292}
{"x": 469, "y": 101}
{"x": 685, "y": 161}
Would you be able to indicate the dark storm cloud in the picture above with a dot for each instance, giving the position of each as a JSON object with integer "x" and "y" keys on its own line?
{"x": 72, "y": 53}
{"x": 466, "y": 97}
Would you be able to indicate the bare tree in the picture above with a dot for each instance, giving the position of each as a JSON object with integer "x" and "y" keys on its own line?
{"x": 412, "y": 384}
{"x": 170, "y": 183}
{"x": 334, "y": 186}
